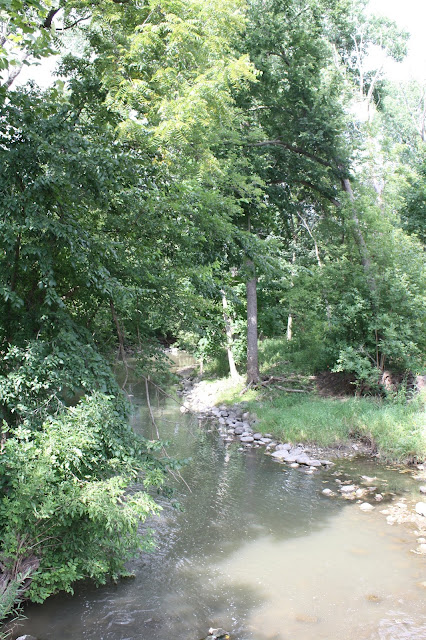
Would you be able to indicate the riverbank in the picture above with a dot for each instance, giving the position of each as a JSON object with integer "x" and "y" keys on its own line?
{"x": 392, "y": 431}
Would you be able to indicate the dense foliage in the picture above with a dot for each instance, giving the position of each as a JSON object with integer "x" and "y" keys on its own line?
{"x": 185, "y": 150}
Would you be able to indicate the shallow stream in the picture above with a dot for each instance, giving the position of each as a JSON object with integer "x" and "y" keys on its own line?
{"x": 257, "y": 550}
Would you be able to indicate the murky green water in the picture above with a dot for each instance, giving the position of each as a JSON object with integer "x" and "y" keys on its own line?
{"x": 257, "y": 550}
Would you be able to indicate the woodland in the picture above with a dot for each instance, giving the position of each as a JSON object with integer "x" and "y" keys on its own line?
{"x": 211, "y": 174}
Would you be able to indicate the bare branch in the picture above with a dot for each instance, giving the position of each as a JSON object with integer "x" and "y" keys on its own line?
{"x": 76, "y": 22}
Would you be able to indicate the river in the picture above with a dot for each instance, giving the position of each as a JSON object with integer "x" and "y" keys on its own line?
{"x": 257, "y": 549}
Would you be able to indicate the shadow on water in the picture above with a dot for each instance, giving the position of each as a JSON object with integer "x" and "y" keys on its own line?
{"x": 257, "y": 550}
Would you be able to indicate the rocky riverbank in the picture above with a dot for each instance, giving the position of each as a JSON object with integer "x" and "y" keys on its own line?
{"x": 236, "y": 423}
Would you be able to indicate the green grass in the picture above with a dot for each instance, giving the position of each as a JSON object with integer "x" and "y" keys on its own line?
{"x": 399, "y": 431}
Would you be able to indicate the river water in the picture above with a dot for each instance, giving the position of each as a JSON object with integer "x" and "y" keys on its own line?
{"x": 256, "y": 549}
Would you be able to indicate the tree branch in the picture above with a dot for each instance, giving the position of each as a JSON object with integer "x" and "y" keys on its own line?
{"x": 47, "y": 23}
{"x": 76, "y": 22}
{"x": 295, "y": 149}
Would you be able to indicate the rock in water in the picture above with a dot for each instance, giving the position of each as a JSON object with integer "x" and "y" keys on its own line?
{"x": 348, "y": 488}
{"x": 366, "y": 506}
{"x": 280, "y": 455}
{"x": 218, "y": 634}
{"x": 328, "y": 492}
{"x": 421, "y": 508}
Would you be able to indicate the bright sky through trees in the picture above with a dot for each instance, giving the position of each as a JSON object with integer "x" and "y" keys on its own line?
{"x": 410, "y": 15}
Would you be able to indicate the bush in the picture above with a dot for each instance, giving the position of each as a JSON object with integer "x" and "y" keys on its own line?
{"x": 65, "y": 498}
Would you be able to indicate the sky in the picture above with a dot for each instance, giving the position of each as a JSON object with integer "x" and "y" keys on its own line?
{"x": 411, "y": 15}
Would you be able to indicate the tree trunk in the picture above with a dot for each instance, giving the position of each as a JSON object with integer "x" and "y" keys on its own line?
{"x": 289, "y": 327}
{"x": 232, "y": 368}
{"x": 365, "y": 254}
{"x": 290, "y": 315}
{"x": 252, "y": 348}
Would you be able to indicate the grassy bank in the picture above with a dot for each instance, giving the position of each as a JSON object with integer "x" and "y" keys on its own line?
{"x": 396, "y": 426}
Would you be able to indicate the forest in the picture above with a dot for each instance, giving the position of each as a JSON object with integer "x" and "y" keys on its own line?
{"x": 238, "y": 178}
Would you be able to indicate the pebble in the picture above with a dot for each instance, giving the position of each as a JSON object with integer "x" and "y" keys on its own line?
{"x": 366, "y": 506}
{"x": 328, "y": 492}
{"x": 378, "y": 497}
{"x": 422, "y": 489}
